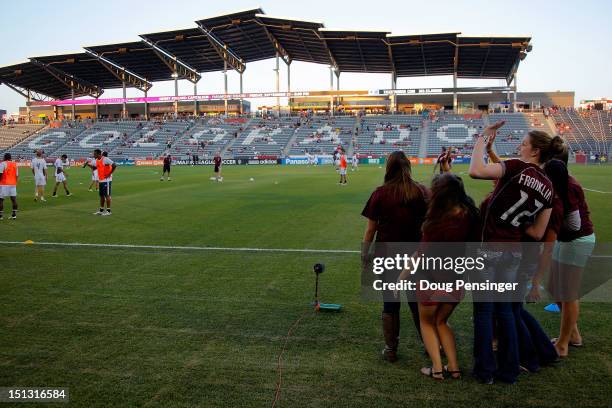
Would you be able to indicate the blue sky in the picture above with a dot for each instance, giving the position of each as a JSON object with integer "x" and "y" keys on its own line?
{"x": 572, "y": 50}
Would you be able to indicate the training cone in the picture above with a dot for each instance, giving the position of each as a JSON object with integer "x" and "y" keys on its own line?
{"x": 28, "y": 242}
{"x": 553, "y": 308}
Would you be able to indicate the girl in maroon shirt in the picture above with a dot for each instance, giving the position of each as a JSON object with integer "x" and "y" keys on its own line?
{"x": 523, "y": 193}
{"x": 575, "y": 243}
{"x": 395, "y": 213}
{"x": 452, "y": 217}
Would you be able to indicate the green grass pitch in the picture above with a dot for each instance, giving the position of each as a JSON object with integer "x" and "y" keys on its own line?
{"x": 188, "y": 327}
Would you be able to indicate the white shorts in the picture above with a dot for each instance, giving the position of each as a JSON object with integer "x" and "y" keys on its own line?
{"x": 61, "y": 177}
{"x": 8, "y": 191}
{"x": 342, "y": 171}
{"x": 40, "y": 180}
{"x": 94, "y": 176}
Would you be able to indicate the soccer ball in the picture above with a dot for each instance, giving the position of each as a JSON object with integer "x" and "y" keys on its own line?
{"x": 251, "y": 179}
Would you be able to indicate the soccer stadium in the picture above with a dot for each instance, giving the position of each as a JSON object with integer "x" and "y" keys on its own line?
{"x": 201, "y": 216}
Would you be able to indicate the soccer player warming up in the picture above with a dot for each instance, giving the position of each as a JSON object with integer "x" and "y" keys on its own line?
{"x": 105, "y": 167}
{"x": 39, "y": 169}
{"x": 343, "y": 166}
{"x": 217, "y": 162}
{"x": 166, "y": 169}
{"x": 95, "y": 180}
{"x": 60, "y": 176}
{"x": 8, "y": 184}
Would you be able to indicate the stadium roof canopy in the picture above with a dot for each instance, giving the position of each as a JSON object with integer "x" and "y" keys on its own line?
{"x": 489, "y": 57}
{"x": 423, "y": 54}
{"x": 358, "y": 51}
{"x": 28, "y": 76}
{"x": 191, "y": 46}
{"x": 137, "y": 57}
{"x": 82, "y": 65}
{"x": 242, "y": 33}
{"x": 300, "y": 39}
{"x": 235, "y": 39}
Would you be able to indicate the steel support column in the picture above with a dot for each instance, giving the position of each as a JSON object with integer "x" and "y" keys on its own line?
{"x": 175, "y": 94}
{"x": 73, "y": 106}
{"x": 195, "y": 100}
{"x": 289, "y": 87}
{"x": 124, "y": 109}
{"x": 241, "y": 99}
{"x": 393, "y": 99}
{"x": 225, "y": 86}
{"x": 97, "y": 110}
{"x": 331, "y": 88}
{"x": 146, "y": 106}
{"x": 455, "y": 106}
{"x": 514, "y": 106}
{"x": 28, "y": 109}
{"x": 278, "y": 84}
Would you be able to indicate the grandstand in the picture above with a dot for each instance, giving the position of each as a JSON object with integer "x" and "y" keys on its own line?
{"x": 370, "y": 135}
{"x": 589, "y": 131}
{"x": 150, "y": 140}
{"x": 323, "y": 134}
{"x": 265, "y": 137}
{"x": 380, "y": 135}
{"x": 12, "y": 134}
{"x": 49, "y": 140}
{"x": 205, "y": 138}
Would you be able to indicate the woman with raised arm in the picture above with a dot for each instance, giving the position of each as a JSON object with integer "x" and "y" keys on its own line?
{"x": 395, "y": 213}
{"x": 521, "y": 203}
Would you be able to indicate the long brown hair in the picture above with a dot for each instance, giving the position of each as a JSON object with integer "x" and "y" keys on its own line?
{"x": 548, "y": 145}
{"x": 398, "y": 178}
{"x": 447, "y": 195}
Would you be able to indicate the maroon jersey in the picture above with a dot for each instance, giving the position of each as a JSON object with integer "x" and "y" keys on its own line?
{"x": 521, "y": 193}
{"x": 455, "y": 228}
{"x": 556, "y": 216}
{"x": 217, "y": 161}
{"x": 396, "y": 221}
{"x": 577, "y": 201}
{"x": 167, "y": 161}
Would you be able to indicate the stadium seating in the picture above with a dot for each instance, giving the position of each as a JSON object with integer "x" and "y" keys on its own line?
{"x": 264, "y": 137}
{"x": 453, "y": 130}
{"x": 586, "y": 131}
{"x": 205, "y": 138}
{"x": 383, "y": 134}
{"x": 150, "y": 140}
{"x": 49, "y": 140}
{"x": 511, "y": 135}
{"x": 10, "y": 135}
{"x": 323, "y": 134}
{"x": 100, "y": 135}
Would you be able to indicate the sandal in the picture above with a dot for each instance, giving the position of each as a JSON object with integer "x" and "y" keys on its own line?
{"x": 436, "y": 375}
{"x": 571, "y": 344}
{"x": 454, "y": 374}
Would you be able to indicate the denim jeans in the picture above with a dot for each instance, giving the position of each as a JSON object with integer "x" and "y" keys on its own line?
{"x": 506, "y": 368}
{"x": 535, "y": 348}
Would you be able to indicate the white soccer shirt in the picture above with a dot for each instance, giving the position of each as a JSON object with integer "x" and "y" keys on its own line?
{"x": 39, "y": 165}
{"x": 59, "y": 164}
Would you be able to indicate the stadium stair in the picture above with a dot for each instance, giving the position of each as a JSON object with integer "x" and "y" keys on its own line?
{"x": 424, "y": 139}
{"x": 291, "y": 141}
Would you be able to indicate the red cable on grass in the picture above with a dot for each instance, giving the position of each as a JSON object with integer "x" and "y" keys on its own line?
{"x": 279, "y": 362}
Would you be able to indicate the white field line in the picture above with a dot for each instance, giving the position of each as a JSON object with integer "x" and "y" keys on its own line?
{"x": 597, "y": 191}
{"x": 199, "y": 248}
